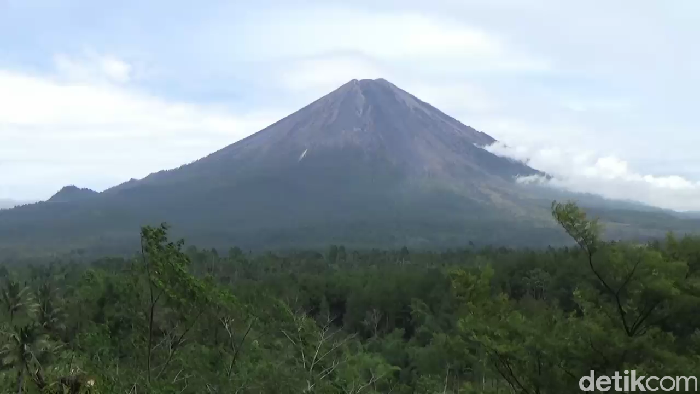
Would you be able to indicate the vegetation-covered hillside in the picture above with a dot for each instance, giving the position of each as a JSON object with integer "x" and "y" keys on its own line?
{"x": 186, "y": 320}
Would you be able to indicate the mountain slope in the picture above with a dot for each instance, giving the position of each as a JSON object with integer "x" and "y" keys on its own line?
{"x": 367, "y": 120}
{"x": 367, "y": 165}
{"x": 366, "y": 141}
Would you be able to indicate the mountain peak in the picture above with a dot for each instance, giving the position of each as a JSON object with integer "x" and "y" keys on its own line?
{"x": 365, "y": 82}
{"x": 378, "y": 81}
{"x": 362, "y": 85}
{"x": 362, "y": 121}
{"x": 72, "y": 193}
{"x": 369, "y": 81}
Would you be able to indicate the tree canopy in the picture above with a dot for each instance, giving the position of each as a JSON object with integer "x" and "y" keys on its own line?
{"x": 176, "y": 319}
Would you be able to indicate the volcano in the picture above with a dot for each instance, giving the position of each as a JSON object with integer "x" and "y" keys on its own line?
{"x": 368, "y": 165}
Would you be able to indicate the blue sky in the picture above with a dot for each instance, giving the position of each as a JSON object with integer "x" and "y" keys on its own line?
{"x": 600, "y": 94}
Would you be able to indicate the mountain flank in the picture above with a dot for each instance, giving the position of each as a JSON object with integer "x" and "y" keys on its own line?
{"x": 368, "y": 165}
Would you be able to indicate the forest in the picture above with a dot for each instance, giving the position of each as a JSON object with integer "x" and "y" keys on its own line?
{"x": 174, "y": 318}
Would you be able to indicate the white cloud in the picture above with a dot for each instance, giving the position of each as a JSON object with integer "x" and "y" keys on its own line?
{"x": 116, "y": 69}
{"x": 309, "y": 32}
{"x": 32, "y": 101}
{"x": 331, "y": 46}
{"x": 609, "y": 176}
{"x": 93, "y": 67}
{"x": 55, "y": 132}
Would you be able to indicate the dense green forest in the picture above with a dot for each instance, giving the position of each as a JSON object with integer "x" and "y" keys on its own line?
{"x": 177, "y": 319}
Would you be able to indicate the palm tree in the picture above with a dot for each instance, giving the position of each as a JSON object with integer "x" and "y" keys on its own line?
{"x": 48, "y": 313}
{"x": 23, "y": 350}
{"x": 13, "y": 298}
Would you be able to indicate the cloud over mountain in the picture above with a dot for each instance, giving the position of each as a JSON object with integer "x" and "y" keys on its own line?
{"x": 609, "y": 176}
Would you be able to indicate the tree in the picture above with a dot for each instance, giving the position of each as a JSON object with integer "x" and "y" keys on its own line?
{"x": 24, "y": 349}
{"x": 632, "y": 293}
{"x": 332, "y": 254}
{"x": 48, "y": 312}
{"x": 342, "y": 254}
{"x": 638, "y": 281}
{"x": 184, "y": 298}
{"x": 319, "y": 351}
{"x": 14, "y": 298}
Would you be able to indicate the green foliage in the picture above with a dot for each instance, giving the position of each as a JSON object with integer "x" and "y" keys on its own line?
{"x": 175, "y": 320}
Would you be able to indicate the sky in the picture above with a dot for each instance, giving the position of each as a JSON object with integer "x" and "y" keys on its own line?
{"x": 601, "y": 95}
